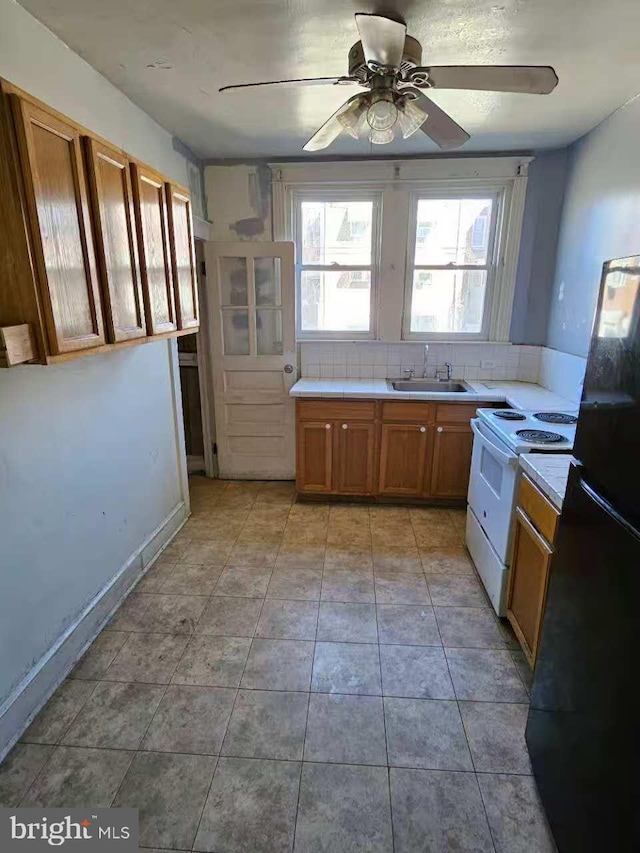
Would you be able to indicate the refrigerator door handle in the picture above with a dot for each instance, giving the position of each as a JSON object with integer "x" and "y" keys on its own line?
{"x": 605, "y": 506}
{"x": 505, "y": 458}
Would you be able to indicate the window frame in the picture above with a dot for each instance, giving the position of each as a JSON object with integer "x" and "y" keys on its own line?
{"x": 394, "y": 181}
{"x": 491, "y": 266}
{"x": 329, "y": 193}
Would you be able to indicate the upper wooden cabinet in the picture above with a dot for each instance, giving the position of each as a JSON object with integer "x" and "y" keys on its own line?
{"x": 116, "y": 240}
{"x": 183, "y": 256}
{"x": 153, "y": 240}
{"x": 60, "y": 227}
{"x": 96, "y": 249}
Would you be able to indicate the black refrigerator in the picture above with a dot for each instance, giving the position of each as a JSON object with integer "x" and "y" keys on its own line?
{"x": 584, "y": 721}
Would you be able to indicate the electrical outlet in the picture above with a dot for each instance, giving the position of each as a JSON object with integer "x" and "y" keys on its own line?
{"x": 487, "y": 364}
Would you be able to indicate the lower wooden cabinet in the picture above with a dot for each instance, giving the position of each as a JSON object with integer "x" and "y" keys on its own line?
{"x": 452, "y": 446}
{"x": 403, "y": 450}
{"x": 314, "y": 456}
{"x": 413, "y": 450}
{"x": 354, "y": 468}
{"x": 530, "y": 562}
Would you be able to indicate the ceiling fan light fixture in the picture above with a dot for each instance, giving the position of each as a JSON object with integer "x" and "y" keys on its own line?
{"x": 381, "y": 137}
{"x": 411, "y": 117}
{"x": 351, "y": 119}
{"x": 383, "y": 113}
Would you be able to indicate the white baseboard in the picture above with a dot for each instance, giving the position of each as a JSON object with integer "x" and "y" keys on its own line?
{"x": 35, "y": 689}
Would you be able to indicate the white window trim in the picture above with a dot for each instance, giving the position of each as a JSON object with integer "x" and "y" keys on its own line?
{"x": 335, "y": 193}
{"x": 505, "y": 176}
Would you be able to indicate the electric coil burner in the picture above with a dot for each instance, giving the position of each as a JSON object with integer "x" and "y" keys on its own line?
{"x": 555, "y": 418}
{"x": 509, "y": 415}
{"x": 539, "y": 436}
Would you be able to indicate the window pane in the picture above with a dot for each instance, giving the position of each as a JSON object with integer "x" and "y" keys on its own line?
{"x": 336, "y": 232}
{"x": 269, "y": 331}
{"x": 335, "y": 301}
{"x": 448, "y": 301}
{"x": 235, "y": 331}
{"x": 267, "y": 273}
{"x": 453, "y": 231}
{"x": 233, "y": 281}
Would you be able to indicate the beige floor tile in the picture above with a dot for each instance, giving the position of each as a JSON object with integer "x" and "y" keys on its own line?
{"x": 100, "y": 655}
{"x": 213, "y": 661}
{"x": 148, "y": 658}
{"x": 60, "y": 711}
{"x": 19, "y": 769}
{"x": 192, "y": 580}
{"x": 208, "y": 553}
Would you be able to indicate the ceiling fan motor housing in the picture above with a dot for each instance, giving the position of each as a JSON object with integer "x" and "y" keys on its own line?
{"x": 411, "y": 57}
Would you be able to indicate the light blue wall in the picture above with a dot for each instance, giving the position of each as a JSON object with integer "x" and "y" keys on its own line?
{"x": 89, "y": 451}
{"x": 538, "y": 246}
{"x": 600, "y": 221}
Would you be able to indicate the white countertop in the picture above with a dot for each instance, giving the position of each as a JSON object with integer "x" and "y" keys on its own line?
{"x": 549, "y": 471}
{"x": 518, "y": 395}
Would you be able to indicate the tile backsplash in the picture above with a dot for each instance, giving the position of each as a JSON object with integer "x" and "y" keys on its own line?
{"x": 378, "y": 360}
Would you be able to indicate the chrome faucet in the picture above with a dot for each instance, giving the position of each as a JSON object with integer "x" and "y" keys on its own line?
{"x": 410, "y": 371}
{"x": 424, "y": 366}
{"x": 448, "y": 371}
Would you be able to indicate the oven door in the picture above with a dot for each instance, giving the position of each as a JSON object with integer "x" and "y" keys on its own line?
{"x": 492, "y": 487}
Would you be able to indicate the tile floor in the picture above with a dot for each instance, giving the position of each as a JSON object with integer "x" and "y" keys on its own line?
{"x": 298, "y": 677}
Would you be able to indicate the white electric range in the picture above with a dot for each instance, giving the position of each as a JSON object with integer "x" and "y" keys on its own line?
{"x": 500, "y": 435}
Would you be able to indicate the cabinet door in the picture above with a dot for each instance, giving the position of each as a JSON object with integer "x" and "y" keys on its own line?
{"x": 53, "y": 171}
{"x": 355, "y": 462}
{"x": 183, "y": 256}
{"x": 153, "y": 242}
{"x": 452, "y": 445}
{"x": 116, "y": 241}
{"x": 314, "y": 469}
{"x": 527, "y": 589}
{"x": 403, "y": 451}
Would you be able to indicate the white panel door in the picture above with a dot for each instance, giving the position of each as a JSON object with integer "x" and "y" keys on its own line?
{"x": 251, "y": 298}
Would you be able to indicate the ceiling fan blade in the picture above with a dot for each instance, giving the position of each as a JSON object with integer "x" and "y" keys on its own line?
{"x": 439, "y": 126}
{"x": 300, "y": 81}
{"x": 382, "y": 39}
{"x": 331, "y": 129}
{"x": 528, "y": 79}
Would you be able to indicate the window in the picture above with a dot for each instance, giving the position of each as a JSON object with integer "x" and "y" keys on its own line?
{"x": 450, "y": 268}
{"x": 403, "y": 250}
{"x": 335, "y": 264}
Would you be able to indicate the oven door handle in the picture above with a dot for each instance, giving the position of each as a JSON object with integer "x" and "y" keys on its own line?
{"x": 505, "y": 458}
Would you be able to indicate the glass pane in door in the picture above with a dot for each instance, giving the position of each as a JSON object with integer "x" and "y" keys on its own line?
{"x": 234, "y": 287}
{"x": 235, "y": 331}
{"x": 267, "y": 281}
{"x": 269, "y": 331}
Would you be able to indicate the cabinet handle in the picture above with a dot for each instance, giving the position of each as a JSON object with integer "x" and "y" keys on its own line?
{"x": 440, "y": 429}
{"x": 344, "y": 426}
{"x": 327, "y": 426}
{"x": 423, "y": 429}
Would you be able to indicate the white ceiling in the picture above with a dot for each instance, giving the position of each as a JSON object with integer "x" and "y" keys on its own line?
{"x": 170, "y": 57}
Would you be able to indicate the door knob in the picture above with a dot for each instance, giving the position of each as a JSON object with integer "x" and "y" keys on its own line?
{"x": 439, "y": 429}
{"x": 288, "y": 368}
{"x": 327, "y": 426}
{"x": 344, "y": 426}
{"x": 423, "y": 429}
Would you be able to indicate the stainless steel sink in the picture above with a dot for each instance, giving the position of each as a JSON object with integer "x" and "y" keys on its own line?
{"x": 432, "y": 386}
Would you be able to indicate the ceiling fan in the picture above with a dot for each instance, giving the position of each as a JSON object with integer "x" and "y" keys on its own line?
{"x": 387, "y": 62}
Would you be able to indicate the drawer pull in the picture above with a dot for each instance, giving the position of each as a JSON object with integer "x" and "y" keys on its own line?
{"x": 327, "y": 426}
{"x": 344, "y": 426}
{"x": 440, "y": 429}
